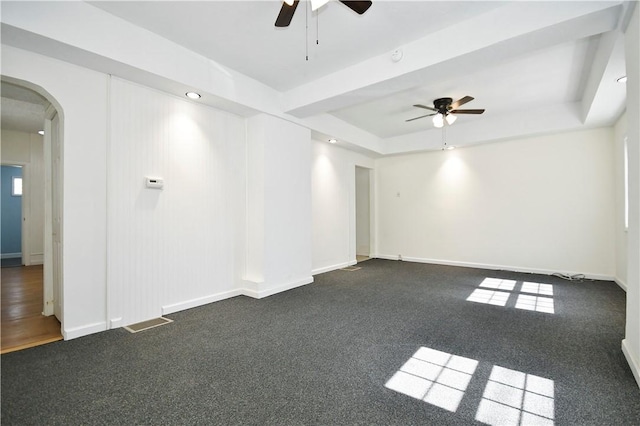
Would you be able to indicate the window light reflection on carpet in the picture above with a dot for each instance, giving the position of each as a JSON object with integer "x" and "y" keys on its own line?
{"x": 489, "y": 297}
{"x": 436, "y": 377}
{"x": 513, "y": 398}
{"x": 544, "y": 289}
{"x": 535, "y": 303}
{"x": 498, "y": 284}
{"x": 501, "y": 291}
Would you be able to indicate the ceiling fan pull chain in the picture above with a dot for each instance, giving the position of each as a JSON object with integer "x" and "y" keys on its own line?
{"x": 306, "y": 30}
{"x": 444, "y": 137}
{"x": 317, "y": 29}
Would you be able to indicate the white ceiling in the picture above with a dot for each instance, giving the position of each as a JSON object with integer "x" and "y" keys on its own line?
{"x": 22, "y": 109}
{"x": 529, "y": 64}
{"x": 242, "y": 35}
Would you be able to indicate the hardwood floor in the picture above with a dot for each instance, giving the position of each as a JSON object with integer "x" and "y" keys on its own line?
{"x": 23, "y": 325}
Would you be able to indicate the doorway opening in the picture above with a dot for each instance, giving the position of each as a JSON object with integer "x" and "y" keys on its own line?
{"x": 363, "y": 214}
{"x": 11, "y": 204}
{"x": 32, "y": 288}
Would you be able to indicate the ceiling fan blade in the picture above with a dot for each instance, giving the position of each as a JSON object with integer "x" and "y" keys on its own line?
{"x": 358, "y": 7}
{"x": 422, "y": 116}
{"x": 460, "y": 102}
{"x": 286, "y": 14}
{"x": 426, "y": 107}
{"x": 467, "y": 111}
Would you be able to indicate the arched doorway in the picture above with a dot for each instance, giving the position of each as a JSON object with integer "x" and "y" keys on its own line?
{"x": 32, "y": 292}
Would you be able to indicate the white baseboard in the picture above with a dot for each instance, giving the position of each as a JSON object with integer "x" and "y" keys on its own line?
{"x": 188, "y": 304}
{"x": 621, "y": 283}
{"x": 115, "y": 323}
{"x": 387, "y": 257}
{"x": 494, "y": 267}
{"x": 633, "y": 363}
{"x": 260, "y": 294}
{"x": 10, "y": 255}
{"x": 36, "y": 259}
{"x": 85, "y": 330}
{"x": 333, "y": 267}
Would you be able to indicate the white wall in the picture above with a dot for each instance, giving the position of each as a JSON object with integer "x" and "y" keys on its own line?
{"x": 80, "y": 96}
{"x": 619, "y": 134}
{"x": 363, "y": 211}
{"x": 631, "y": 343}
{"x": 333, "y": 205}
{"x": 539, "y": 204}
{"x": 278, "y": 206}
{"x": 26, "y": 149}
{"x": 181, "y": 246}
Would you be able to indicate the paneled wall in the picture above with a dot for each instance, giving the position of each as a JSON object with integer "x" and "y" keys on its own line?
{"x": 180, "y": 246}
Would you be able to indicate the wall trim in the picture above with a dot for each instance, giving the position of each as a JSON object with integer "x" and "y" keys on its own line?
{"x": 10, "y": 255}
{"x": 387, "y": 257}
{"x": 115, "y": 323}
{"x": 259, "y": 294}
{"x": 494, "y": 267}
{"x": 188, "y": 304}
{"x": 333, "y": 267}
{"x": 620, "y": 283}
{"x": 635, "y": 368}
{"x": 85, "y": 330}
{"x": 36, "y": 259}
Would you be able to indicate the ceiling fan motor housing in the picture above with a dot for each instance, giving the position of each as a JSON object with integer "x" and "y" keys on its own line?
{"x": 443, "y": 105}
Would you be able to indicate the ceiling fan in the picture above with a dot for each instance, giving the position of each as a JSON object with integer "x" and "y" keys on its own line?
{"x": 444, "y": 108}
{"x": 289, "y": 7}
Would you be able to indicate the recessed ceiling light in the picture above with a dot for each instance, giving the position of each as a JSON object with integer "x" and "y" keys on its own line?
{"x": 41, "y": 132}
{"x": 333, "y": 141}
{"x": 622, "y": 79}
{"x": 193, "y": 95}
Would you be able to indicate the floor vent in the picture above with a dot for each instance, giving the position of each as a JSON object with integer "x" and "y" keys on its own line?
{"x": 146, "y": 325}
{"x": 351, "y": 268}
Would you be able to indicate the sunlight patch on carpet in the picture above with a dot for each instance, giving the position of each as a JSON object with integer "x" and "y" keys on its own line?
{"x": 435, "y": 377}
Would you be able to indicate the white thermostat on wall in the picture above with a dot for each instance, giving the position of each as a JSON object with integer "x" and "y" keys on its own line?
{"x": 154, "y": 182}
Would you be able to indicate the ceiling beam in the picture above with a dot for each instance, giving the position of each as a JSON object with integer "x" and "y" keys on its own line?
{"x": 497, "y": 35}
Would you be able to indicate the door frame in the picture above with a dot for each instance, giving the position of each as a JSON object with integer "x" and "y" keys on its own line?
{"x": 25, "y": 212}
{"x": 352, "y": 212}
{"x": 53, "y": 275}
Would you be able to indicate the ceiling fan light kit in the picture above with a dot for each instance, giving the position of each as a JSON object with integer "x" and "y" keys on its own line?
{"x": 438, "y": 120}
{"x": 289, "y": 7}
{"x": 444, "y": 108}
{"x": 450, "y": 118}
{"x": 317, "y": 4}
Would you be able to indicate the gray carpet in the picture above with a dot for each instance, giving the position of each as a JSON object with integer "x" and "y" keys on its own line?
{"x": 322, "y": 354}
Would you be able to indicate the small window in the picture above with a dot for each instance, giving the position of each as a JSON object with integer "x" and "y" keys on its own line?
{"x": 16, "y": 187}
